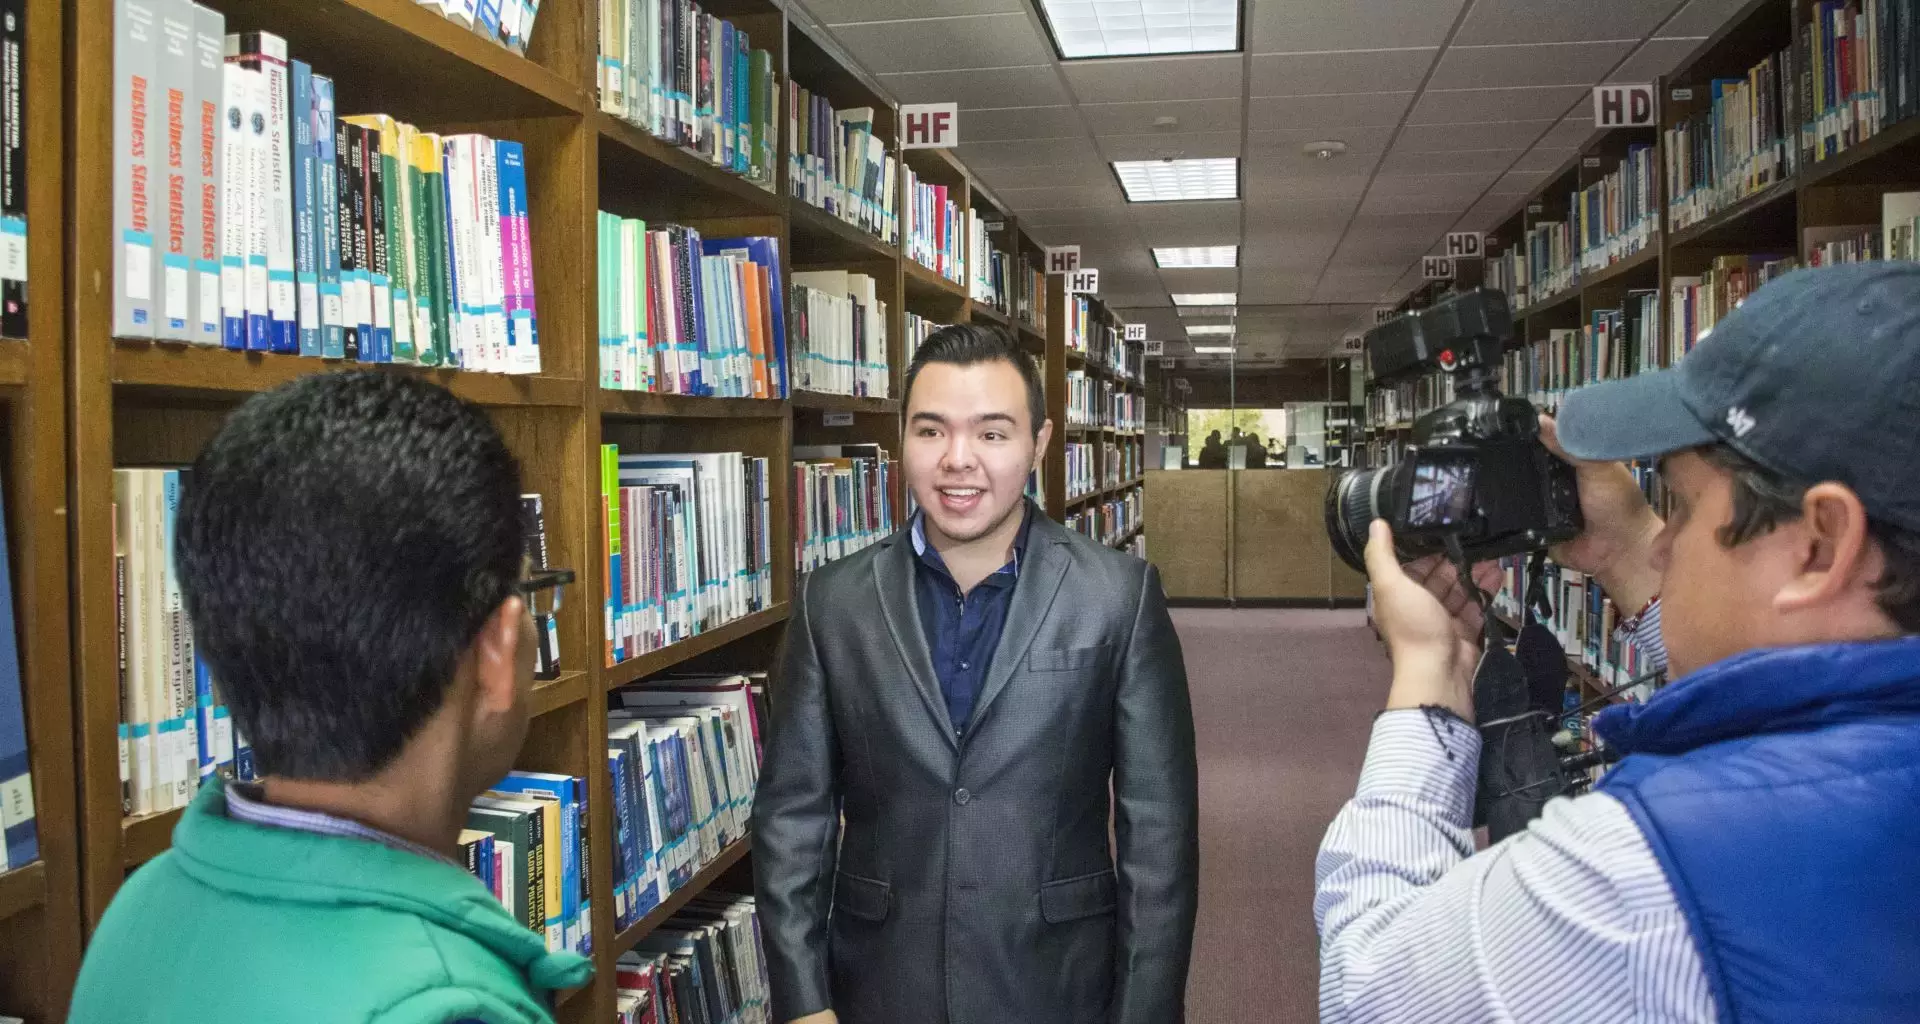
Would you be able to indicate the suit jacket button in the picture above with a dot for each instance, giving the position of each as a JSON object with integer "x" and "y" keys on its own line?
{"x": 961, "y": 796}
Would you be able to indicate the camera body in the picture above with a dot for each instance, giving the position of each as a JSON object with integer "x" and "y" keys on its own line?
{"x": 1476, "y": 470}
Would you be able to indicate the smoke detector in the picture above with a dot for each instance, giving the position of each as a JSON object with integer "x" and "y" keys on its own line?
{"x": 1326, "y": 150}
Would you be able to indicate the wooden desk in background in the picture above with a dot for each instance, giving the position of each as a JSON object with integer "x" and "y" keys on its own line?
{"x": 1247, "y": 535}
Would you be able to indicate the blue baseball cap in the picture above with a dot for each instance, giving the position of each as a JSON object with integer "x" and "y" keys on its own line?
{"x": 1816, "y": 376}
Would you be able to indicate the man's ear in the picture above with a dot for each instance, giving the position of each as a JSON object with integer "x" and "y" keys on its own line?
{"x": 1040, "y": 442}
{"x": 1833, "y": 549}
{"x": 496, "y": 656}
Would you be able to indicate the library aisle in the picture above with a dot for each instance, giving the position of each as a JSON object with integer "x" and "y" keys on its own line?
{"x": 1282, "y": 703}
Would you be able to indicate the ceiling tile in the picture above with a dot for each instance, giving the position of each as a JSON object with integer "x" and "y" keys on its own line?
{"x": 1363, "y": 144}
{"x": 981, "y": 156}
{"x": 1311, "y": 74}
{"x": 1061, "y": 172}
{"x": 1544, "y": 160}
{"x": 1215, "y": 115}
{"x": 1459, "y": 186}
{"x": 1417, "y": 231}
{"x": 1305, "y": 25}
{"x": 1518, "y": 183}
{"x": 1278, "y": 287}
{"x": 1268, "y": 183}
{"x": 1405, "y": 161}
{"x": 1169, "y": 145}
{"x": 1488, "y": 213}
{"x": 1186, "y": 281}
{"x": 1297, "y": 252}
{"x": 1293, "y": 216}
{"x": 1350, "y": 110}
{"x": 1478, "y": 106}
{"x": 1500, "y": 67}
{"x": 1415, "y": 203}
{"x": 1701, "y": 18}
{"x": 1448, "y": 138}
{"x": 1140, "y": 79}
{"x": 1064, "y": 197}
{"x": 1561, "y": 21}
{"x": 929, "y": 44}
{"x": 1055, "y": 221}
{"x": 840, "y": 12}
{"x": 1199, "y": 223}
{"x": 1353, "y": 288}
{"x": 1054, "y": 122}
{"x": 1654, "y": 58}
{"x": 1572, "y": 133}
{"x": 995, "y": 87}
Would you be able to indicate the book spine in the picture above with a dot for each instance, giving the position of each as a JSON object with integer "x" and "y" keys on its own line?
{"x": 420, "y": 249}
{"x": 523, "y": 345}
{"x": 173, "y": 82}
{"x": 206, "y": 105}
{"x": 380, "y": 286}
{"x": 356, "y": 260}
{"x": 13, "y": 170}
{"x": 282, "y": 300}
{"x": 402, "y": 239}
{"x": 326, "y": 228}
{"x": 19, "y": 831}
{"x": 135, "y": 52}
{"x": 306, "y": 251}
{"x": 254, "y": 192}
{"x": 486, "y": 217}
{"x": 433, "y": 226}
{"x": 346, "y": 239}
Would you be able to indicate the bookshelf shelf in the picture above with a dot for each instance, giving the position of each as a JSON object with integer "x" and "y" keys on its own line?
{"x": 1765, "y": 216}
{"x": 1891, "y": 157}
{"x": 385, "y": 50}
{"x": 655, "y": 662}
{"x": 708, "y": 875}
{"x": 1642, "y": 267}
{"x": 195, "y": 370}
{"x": 146, "y": 837}
{"x": 638, "y": 157}
{"x": 844, "y": 403}
{"x": 552, "y": 694}
{"x": 23, "y": 889}
{"x": 649, "y": 405}
{"x": 13, "y": 363}
{"x": 922, "y": 283}
{"x": 1035, "y": 338}
{"x": 1126, "y": 538}
{"x": 1553, "y": 303}
{"x": 982, "y": 311}
{"x": 821, "y": 238}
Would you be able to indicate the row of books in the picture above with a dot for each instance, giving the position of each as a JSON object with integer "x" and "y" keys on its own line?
{"x": 1030, "y": 292}
{"x": 1127, "y": 410}
{"x": 842, "y": 500}
{"x": 1619, "y": 215}
{"x": 685, "y": 315}
{"x": 684, "y": 758}
{"x": 1891, "y": 238}
{"x": 992, "y": 268}
{"x": 526, "y": 840}
{"x": 1137, "y": 547}
{"x": 1552, "y": 266}
{"x": 1082, "y": 474}
{"x": 1584, "y": 620}
{"x": 1696, "y": 302}
{"x": 1407, "y": 400}
{"x": 507, "y": 22}
{"x": 1614, "y": 343}
{"x": 706, "y": 963}
{"x": 692, "y": 80}
{"x": 1084, "y": 399}
{"x": 838, "y": 163}
{"x": 1506, "y": 270}
{"x": 1742, "y": 143}
{"x": 281, "y": 228}
{"x": 1861, "y": 62}
{"x": 840, "y": 335}
{"x": 1123, "y": 462}
{"x": 689, "y": 545}
{"x": 19, "y": 830}
{"x": 934, "y": 229}
{"x": 918, "y": 329}
{"x": 14, "y": 111}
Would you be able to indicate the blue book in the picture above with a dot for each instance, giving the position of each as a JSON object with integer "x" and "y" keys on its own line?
{"x": 584, "y": 881}
{"x": 725, "y": 144}
{"x": 223, "y": 754}
{"x": 333, "y": 335}
{"x": 764, "y": 250}
{"x": 742, "y": 104}
{"x": 523, "y": 338}
{"x": 306, "y": 258}
{"x": 22, "y": 835}
{"x": 209, "y": 743}
{"x": 561, "y": 789}
{"x": 623, "y": 880}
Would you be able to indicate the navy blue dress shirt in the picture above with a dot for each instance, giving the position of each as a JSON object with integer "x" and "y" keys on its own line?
{"x": 963, "y": 631}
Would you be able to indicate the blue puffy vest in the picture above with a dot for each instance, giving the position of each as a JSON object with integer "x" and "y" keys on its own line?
{"x": 1780, "y": 790}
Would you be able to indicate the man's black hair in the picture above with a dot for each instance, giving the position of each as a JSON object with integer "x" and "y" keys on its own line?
{"x": 968, "y": 344}
{"x": 340, "y": 543}
{"x": 1763, "y": 499}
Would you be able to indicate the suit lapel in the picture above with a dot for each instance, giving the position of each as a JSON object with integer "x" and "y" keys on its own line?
{"x": 1033, "y": 594}
{"x": 893, "y": 575}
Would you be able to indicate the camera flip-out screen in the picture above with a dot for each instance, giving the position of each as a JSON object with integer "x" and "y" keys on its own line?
{"x": 1442, "y": 491}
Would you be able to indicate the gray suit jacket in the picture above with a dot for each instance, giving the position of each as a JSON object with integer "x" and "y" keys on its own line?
{"x": 973, "y": 882}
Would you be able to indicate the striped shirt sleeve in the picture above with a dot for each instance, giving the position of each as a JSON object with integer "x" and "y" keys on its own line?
{"x": 1571, "y": 919}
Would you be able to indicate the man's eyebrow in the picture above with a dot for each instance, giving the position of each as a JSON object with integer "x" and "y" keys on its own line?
{"x": 931, "y": 417}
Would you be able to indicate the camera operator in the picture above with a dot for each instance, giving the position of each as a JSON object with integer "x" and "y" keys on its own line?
{"x": 1756, "y": 855}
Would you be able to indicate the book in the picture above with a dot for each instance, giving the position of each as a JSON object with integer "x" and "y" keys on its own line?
{"x": 326, "y": 200}
{"x": 705, "y": 963}
{"x": 19, "y": 834}
{"x": 523, "y": 338}
{"x": 208, "y": 123}
{"x": 682, "y": 314}
{"x": 173, "y": 86}
{"x": 13, "y": 170}
{"x": 560, "y": 799}
{"x": 840, "y": 326}
{"x": 519, "y": 830}
{"x": 306, "y": 218}
{"x": 933, "y": 228}
{"x": 273, "y": 168}
{"x": 135, "y": 56}
{"x": 842, "y": 501}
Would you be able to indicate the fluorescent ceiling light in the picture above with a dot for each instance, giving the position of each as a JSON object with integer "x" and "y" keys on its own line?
{"x": 1169, "y": 181}
{"x": 1212, "y": 350}
{"x": 1171, "y": 256}
{"x": 1207, "y": 311}
{"x": 1205, "y": 299}
{"x": 1130, "y": 28}
{"x": 1203, "y": 329}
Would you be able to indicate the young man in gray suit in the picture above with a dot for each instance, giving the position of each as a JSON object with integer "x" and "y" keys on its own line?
{"x": 976, "y": 697}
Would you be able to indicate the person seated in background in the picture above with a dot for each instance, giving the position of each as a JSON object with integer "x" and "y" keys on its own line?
{"x": 1213, "y": 454}
{"x": 350, "y": 553}
{"x": 1752, "y": 858}
{"x": 1256, "y": 452}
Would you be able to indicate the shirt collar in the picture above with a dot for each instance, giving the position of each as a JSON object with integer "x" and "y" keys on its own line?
{"x": 930, "y": 555}
{"x": 246, "y": 803}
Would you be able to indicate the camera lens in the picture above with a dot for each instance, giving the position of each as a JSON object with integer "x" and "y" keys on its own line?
{"x": 1350, "y": 509}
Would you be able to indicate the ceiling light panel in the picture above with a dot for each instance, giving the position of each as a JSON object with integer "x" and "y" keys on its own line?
{"x": 1201, "y": 330}
{"x": 1212, "y": 350}
{"x": 1169, "y": 181}
{"x": 1186, "y": 311}
{"x": 1205, "y": 299}
{"x": 1169, "y": 257}
{"x": 1132, "y": 28}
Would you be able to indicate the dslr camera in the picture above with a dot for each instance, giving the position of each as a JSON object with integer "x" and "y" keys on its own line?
{"x": 1476, "y": 470}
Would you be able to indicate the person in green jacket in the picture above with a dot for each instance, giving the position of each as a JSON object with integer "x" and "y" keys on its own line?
{"x": 350, "y": 551}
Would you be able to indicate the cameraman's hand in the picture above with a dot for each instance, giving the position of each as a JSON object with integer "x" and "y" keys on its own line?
{"x": 1617, "y": 545}
{"x": 1431, "y": 623}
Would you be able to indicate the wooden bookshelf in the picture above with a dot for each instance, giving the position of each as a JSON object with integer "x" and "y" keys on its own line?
{"x": 40, "y": 935}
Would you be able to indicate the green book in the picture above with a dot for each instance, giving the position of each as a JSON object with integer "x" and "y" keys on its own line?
{"x": 640, "y": 361}
{"x": 420, "y": 268}
{"x": 400, "y": 240}
{"x": 522, "y": 824}
{"x": 428, "y": 154}
{"x": 616, "y": 606}
{"x": 608, "y": 227}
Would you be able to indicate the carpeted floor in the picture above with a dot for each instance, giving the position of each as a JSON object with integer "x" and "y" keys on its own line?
{"x": 1283, "y": 702}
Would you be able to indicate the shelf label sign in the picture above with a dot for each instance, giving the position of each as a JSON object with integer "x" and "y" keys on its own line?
{"x": 1136, "y": 332}
{"x": 1437, "y": 268}
{"x": 1464, "y": 244}
{"x": 1083, "y": 282}
{"x": 1154, "y": 348}
{"x": 836, "y": 419}
{"x": 930, "y": 125}
{"x": 1063, "y": 259}
{"x": 1382, "y": 314}
{"x": 1353, "y": 344}
{"x": 1623, "y": 106}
